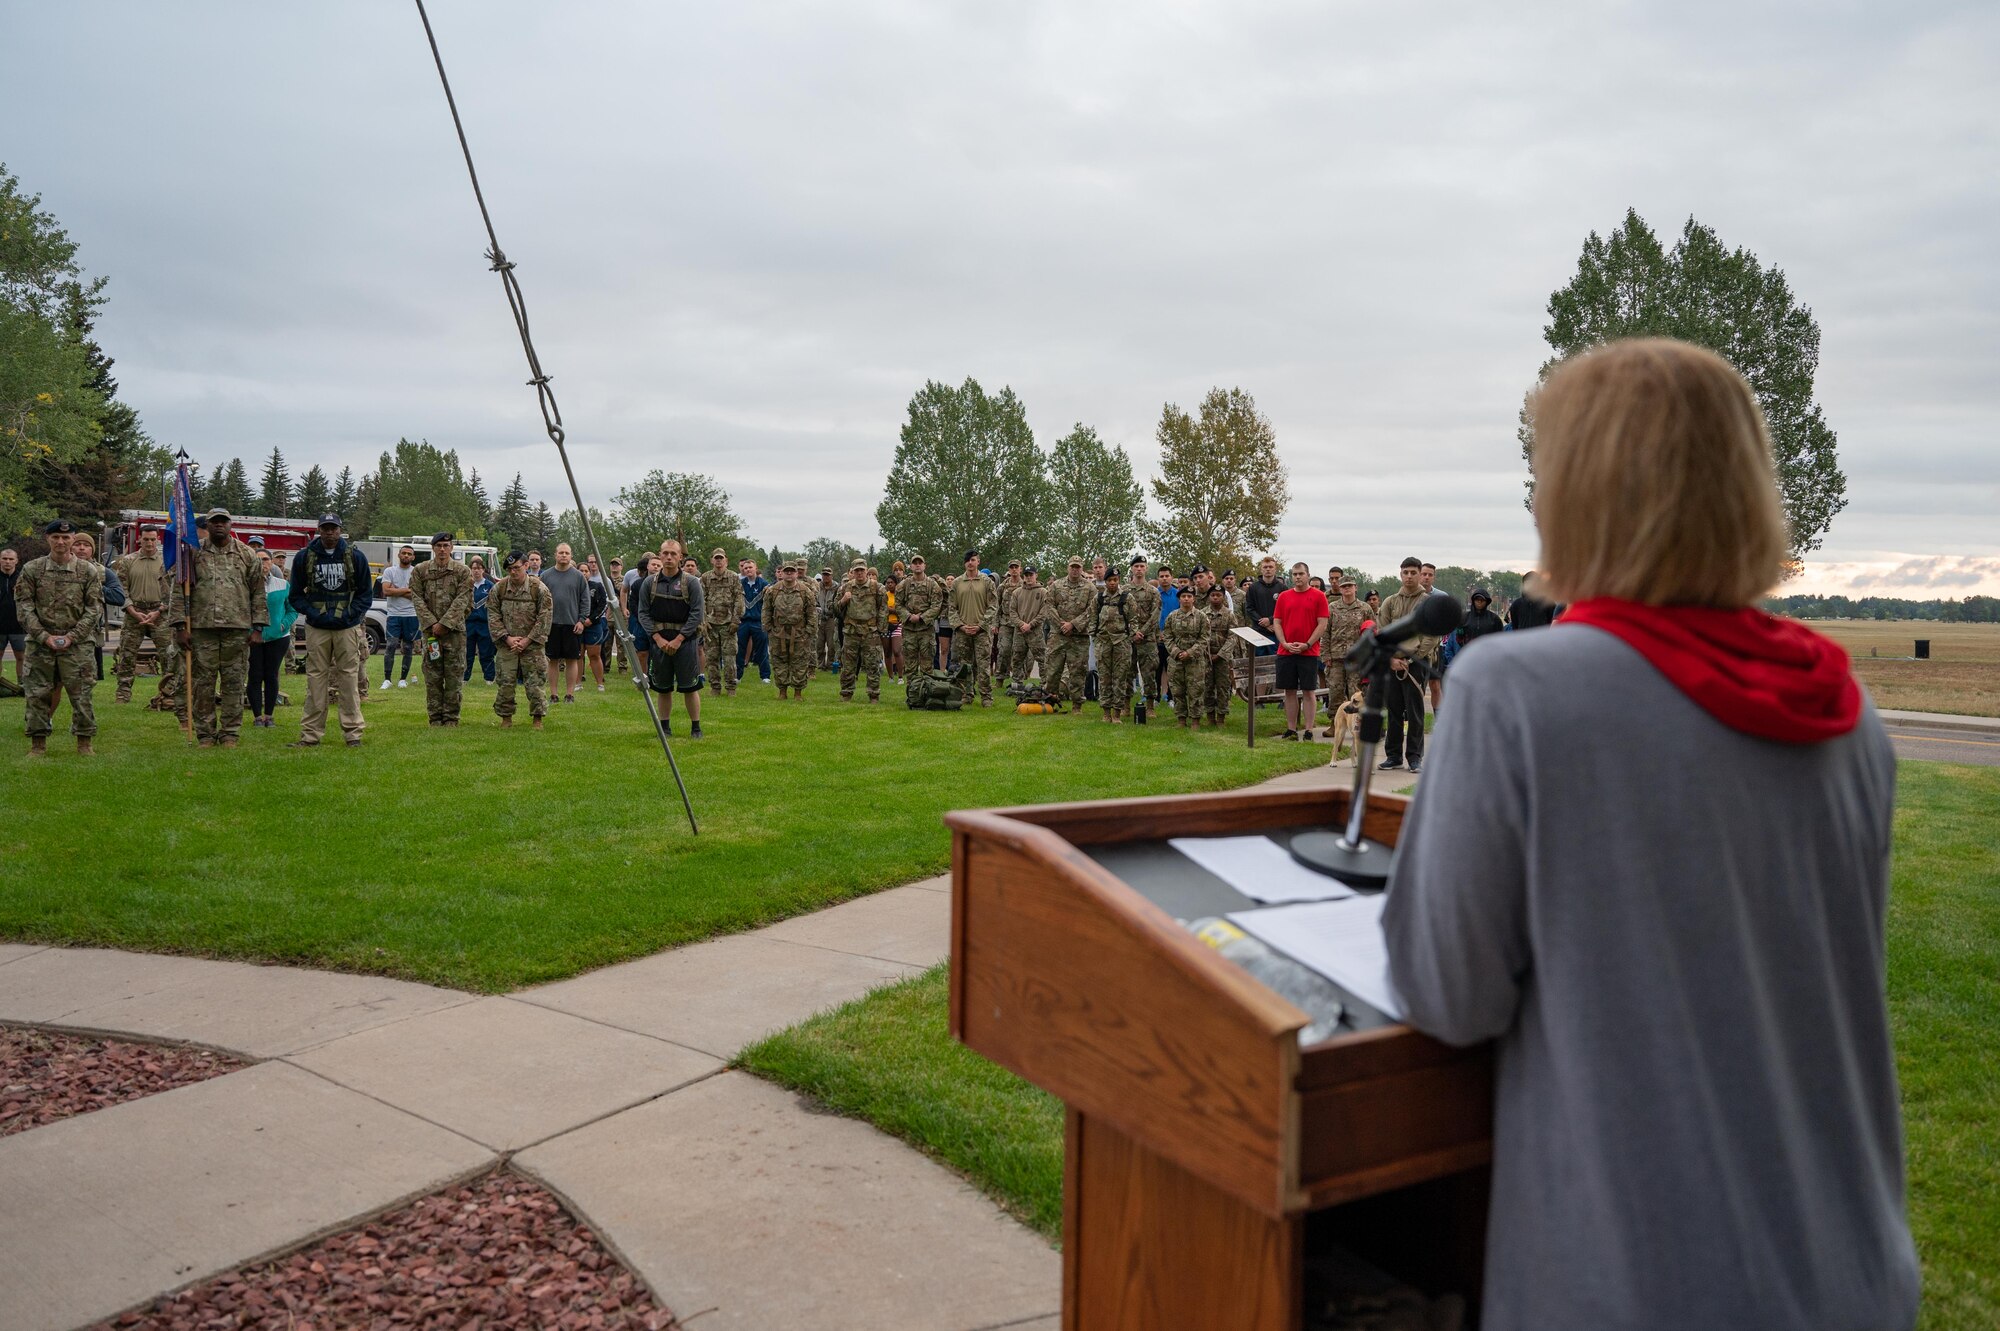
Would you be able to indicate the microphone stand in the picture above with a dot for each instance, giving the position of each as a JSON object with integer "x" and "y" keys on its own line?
{"x": 1347, "y": 855}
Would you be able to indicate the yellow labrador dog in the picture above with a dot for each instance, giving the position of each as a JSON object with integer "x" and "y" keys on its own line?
{"x": 1346, "y": 718}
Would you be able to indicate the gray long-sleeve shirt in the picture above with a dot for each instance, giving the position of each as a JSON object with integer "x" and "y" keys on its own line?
{"x": 1675, "y": 933}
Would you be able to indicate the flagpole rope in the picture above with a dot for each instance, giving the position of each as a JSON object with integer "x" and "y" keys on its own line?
{"x": 551, "y": 414}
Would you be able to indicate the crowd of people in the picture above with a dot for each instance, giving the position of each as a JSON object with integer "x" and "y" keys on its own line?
{"x": 1135, "y": 641}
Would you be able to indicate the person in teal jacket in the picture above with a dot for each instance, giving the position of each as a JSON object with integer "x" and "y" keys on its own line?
{"x": 268, "y": 653}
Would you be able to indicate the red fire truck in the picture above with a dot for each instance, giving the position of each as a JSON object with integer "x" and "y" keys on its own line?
{"x": 281, "y": 535}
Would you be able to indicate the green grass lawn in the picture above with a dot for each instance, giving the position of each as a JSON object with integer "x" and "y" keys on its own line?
{"x": 490, "y": 859}
{"x": 887, "y": 1057}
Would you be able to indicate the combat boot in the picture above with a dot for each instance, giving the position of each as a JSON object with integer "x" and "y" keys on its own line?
{"x": 228, "y": 741}
{"x": 83, "y": 749}
{"x": 538, "y": 723}
{"x": 781, "y": 692}
{"x": 506, "y": 723}
{"x": 38, "y": 746}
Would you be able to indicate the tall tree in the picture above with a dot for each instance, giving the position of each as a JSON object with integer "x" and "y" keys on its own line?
{"x": 543, "y": 537}
{"x": 229, "y": 488}
{"x": 274, "y": 488}
{"x": 966, "y": 475}
{"x": 512, "y": 522}
{"x": 1221, "y": 482}
{"x": 343, "y": 492}
{"x": 1725, "y": 300}
{"x": 420, "y": 489}
{"x": 361, "y": 522}
{"x": 477, "y": 489}
{"x": 688, "y": 505}
{"x": 1094, "y": 504}
{"x": 313, "y": 496}
{"x": 826, "y": 552}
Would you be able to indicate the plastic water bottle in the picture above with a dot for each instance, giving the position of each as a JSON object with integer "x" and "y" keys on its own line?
{"x": 1304, "y": 988}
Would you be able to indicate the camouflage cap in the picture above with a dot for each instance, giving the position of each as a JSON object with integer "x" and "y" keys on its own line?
{"x": 215, "y": 513}
{"x": 1076, "y": 561}
{"x": 718, "y": 553}
{"x": 859, "y": 563}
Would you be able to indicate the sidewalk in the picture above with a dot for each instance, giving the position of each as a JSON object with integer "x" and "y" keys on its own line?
{"x": 1989, "y": 725}
{"x": 732, "y": 1198}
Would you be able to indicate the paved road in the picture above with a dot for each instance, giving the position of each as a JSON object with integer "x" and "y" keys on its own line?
{"x": 1934, "y": 744}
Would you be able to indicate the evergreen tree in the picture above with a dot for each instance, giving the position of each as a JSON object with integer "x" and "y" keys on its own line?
{"x": 313, "y": 496}
{"x": 274, "y": 490}
{"x": 1094, "y": 504}
{"x": 343, "y": 492}
{"x": 361, "y": 522}
{"x": 1725, "y": 300}
{"x": 477, "y": 489}
{"x": 1221, "y": 482}
{"x": 543, "y": 536}
{"x": 967, "y": 475}
{"x": 229, "y": 489}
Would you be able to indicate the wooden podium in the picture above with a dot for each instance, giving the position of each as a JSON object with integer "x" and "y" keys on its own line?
{"x": 1207, "y": 1153}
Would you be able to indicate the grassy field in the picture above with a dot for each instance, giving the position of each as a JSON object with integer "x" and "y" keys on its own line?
{"x": 490, "y": 859}
{"x": 887, "y": 1057}
{"x": 1962, "y": 676}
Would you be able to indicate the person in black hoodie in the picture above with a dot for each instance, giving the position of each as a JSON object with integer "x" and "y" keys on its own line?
{"x": 331, "y": 584}
{"x": 1479, "y": 620}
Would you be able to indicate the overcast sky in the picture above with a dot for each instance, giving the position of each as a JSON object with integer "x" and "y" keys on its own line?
{"x": 748, "y": 232}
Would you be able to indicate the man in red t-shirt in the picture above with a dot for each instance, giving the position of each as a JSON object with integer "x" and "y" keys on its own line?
{"x": 1300, "y": 621}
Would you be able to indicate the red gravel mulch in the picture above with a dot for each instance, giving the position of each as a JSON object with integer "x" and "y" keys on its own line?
{"x": 497, "y": 1254}
{"x": 46, "y": 1076}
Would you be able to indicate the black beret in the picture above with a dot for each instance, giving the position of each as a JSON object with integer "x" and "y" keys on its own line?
{"x": 60, "y": 527}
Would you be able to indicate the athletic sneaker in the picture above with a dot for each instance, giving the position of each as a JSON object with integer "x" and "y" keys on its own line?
{"x": 1305, "y": 734}
{"x": 402, "y": 683}
{"x": 1290, "y": 734}
{"x": 1390, "y": 764}
{"x": 600, "y": 688}
{"x": 1416, "y": 766}
{"x": 569, "y": 697}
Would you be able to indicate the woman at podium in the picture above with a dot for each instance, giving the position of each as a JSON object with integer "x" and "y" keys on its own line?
{"x": 1650, "y": 859}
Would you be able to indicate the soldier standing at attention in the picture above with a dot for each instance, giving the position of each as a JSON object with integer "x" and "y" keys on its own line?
{"x": 1029, "y": 612}
{"x": 1144, "y": 598}
{"x": 227, "y": 615}
{"x": 668, "y": 606}
{"x": 60, "y": 601}
{"x": 920, "y": 598}
{"x": 519, "y": 611}
{"x": 441, "y": 591}
{"x": 722, "y": 613}
{"x": 1114, "y": 649}
{"x": 1221, "y": 655}
{"x": 1003, "y": 636}
{"x": 972, "y": 608}
{"x": 1345, "y": 615}
{"x": 1072, "y": 614}
{"x": 1186, "y": 635}
{"x": 145, "y": 577}
{"x": 790, "y": 618}
{"x": 825, "y": 593}
{"x": 863, "y": 608}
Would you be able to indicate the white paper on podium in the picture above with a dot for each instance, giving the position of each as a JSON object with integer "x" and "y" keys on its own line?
{"x": 1342, "y": 940}
{"x": 1259, "y": 868}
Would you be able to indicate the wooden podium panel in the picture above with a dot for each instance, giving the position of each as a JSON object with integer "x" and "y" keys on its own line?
{"x": 1199, "y": 1132}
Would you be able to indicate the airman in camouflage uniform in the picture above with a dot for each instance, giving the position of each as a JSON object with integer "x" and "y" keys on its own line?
{"x": 1028, "y": 613}
{"x": 1345, "y": 615}
{"x": 1187, "y": 638}
{"x": 723, "y": 608}
{"x": 825, "y": 592}
{"x": 1005, "y": 633}
{"x": 791, "y": 614}
{"x": 1072, "y": 614}
{"x": 920, "y": 601}
{"x": 863, "y": 607}
{"x": 228, "y": 614}
{"x": 519, "y": 610}
{"x": 59, "y": 600}
{"x": 147, "y": 586}
{"x": 1145, "y": 603}
{"x": 972, "y": 608}
{"x": 1221, "y": 655}
{"x": 1114, "y": 648}
{"x": 441, "y": 591}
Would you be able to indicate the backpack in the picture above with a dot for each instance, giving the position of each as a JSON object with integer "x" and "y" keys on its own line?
{"x": 939, "y": 690}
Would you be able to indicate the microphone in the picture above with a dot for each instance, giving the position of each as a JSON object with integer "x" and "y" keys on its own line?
{"x": 1435, "y": 616}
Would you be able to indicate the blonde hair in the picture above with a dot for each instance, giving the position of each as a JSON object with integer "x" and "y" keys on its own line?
{"x": 1653, "y": 479}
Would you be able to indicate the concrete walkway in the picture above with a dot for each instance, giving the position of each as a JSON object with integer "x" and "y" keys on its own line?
{"x": 737, "y": 1202}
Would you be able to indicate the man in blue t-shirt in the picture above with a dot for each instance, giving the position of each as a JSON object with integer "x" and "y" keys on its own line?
{"x": 751, "y": 642}
{"x": 1170, "y": 601}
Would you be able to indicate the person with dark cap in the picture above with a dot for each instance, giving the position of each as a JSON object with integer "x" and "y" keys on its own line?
{"x": 519, "y": 613}
{"x": 59, "y": 599}
{"x": 218, "y": 618}
{"x": 441, "y": 593}
{"x": 668, "y": 606}
{"x": 972, "y": 608}
{"x": 330, "y": 586}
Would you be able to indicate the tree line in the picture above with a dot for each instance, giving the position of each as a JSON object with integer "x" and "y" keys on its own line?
{"x": 1971, "y": 610}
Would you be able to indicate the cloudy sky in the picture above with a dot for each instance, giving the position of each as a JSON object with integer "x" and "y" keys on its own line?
{"x": 748, "y": 232}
